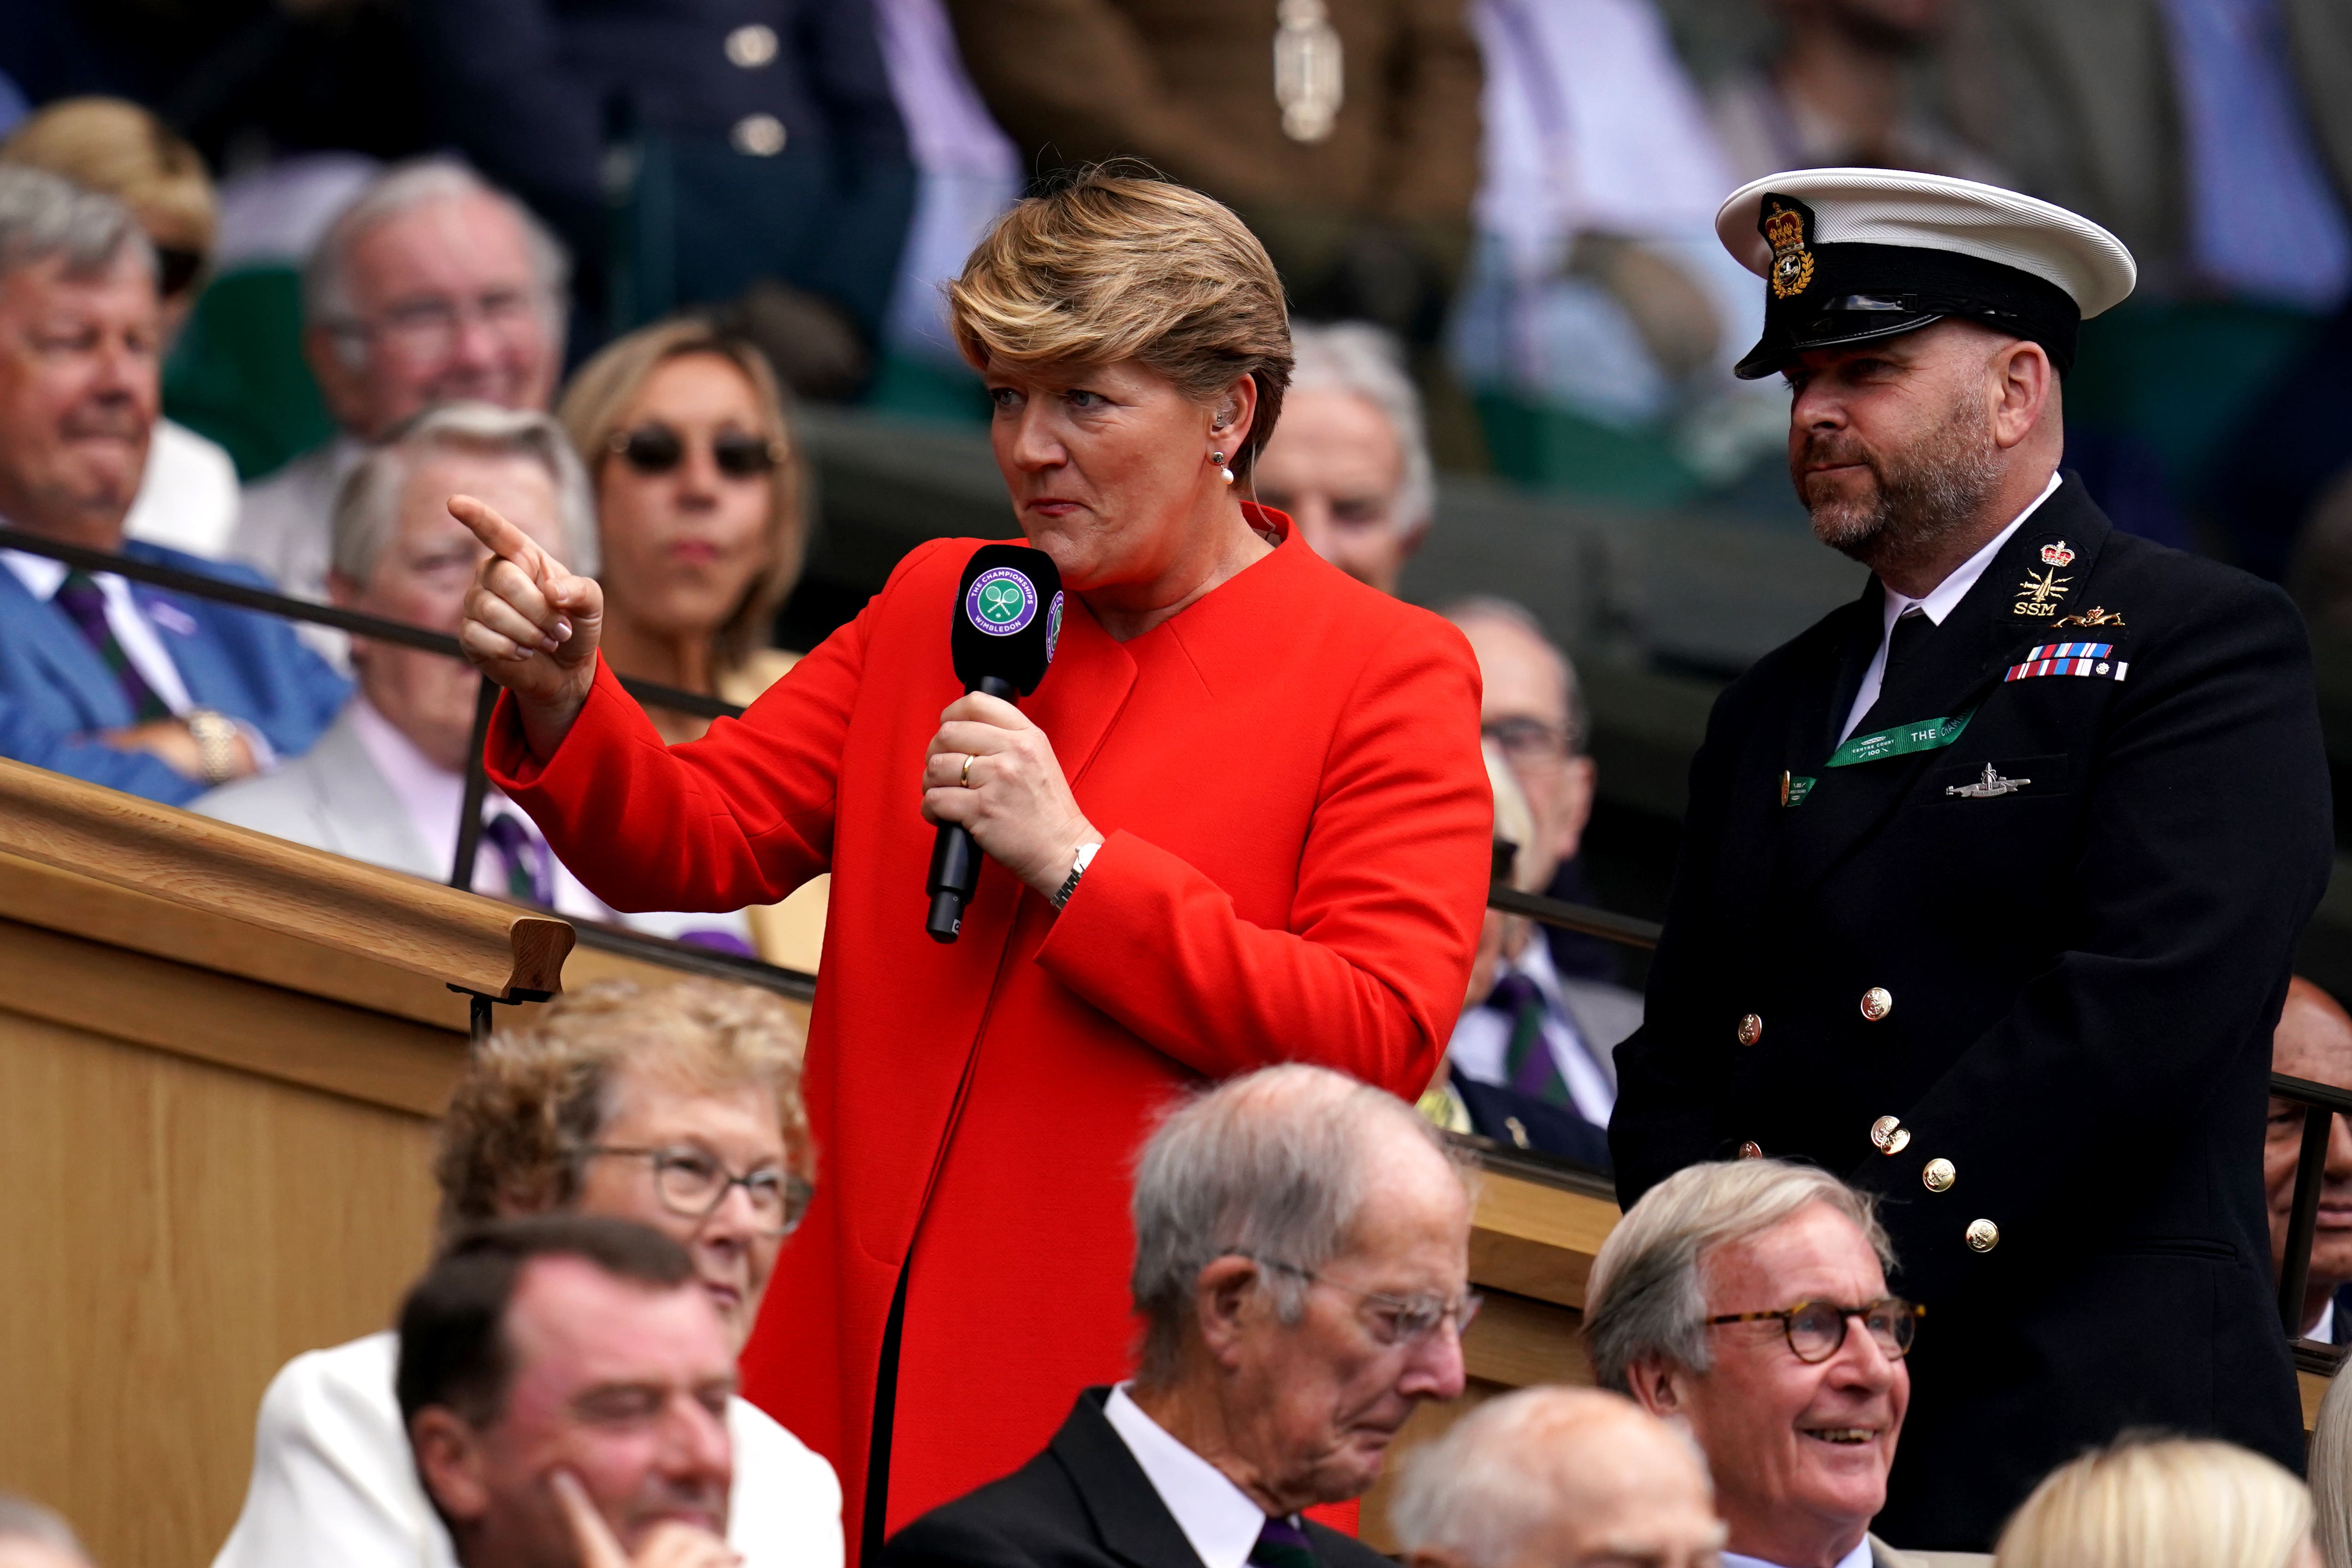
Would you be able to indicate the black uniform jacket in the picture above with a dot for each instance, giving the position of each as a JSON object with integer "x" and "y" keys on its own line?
{"x": 2081, "y": 972}
{"x": 1083, "y": 1503}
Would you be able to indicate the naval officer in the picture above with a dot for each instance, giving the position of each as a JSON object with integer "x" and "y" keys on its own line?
{"x": 1991, "y": 879}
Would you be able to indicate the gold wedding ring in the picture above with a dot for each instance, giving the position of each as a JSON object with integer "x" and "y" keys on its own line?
{"x": 964, "y": 778}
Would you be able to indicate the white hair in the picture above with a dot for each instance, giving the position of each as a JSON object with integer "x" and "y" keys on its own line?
{"x": 1644, "y": 1300}
{"x": 1481, "y": 1490}
{"x": 1365, "y": 360}
{"x": 367, "y": 507}
{"x": 1511, "y": 613}
{"x": 1270, "y": 1166}
{"x": 43, "y": 215}
{"x": 326, "y": 284}
{"x": 2331, "y": 1472}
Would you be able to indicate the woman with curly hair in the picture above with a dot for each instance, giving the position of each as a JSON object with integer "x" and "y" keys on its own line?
{"x": 679, "y": 1107}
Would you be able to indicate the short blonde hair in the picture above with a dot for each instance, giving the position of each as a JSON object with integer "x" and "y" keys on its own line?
{"x": 601, "y": 392}
{"x": 535, "y": 1097}
{"x": 114, "y": 147}
{"x": 1122, "y": 265}
{"x": 2168, "y": 1503}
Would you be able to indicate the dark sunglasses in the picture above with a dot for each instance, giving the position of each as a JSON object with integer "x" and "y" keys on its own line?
{"x": 176, "y": 269}
{"x": 657, "y": 448}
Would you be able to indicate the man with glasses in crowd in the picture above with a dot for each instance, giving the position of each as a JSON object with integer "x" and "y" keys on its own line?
{"x": 1302, "y": 1248}
{"x": 1538, "y": 1049}
{"x": 431, "y": 287}
{"x": 1747, "y": 1302}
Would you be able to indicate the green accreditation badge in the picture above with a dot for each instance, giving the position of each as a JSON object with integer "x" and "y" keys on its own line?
{"x": 1923, "y": 736}
{"x": 1794, "y": 788}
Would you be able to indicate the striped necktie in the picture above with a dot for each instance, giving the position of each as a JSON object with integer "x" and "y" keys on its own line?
{"x": 1527, "y": 1063}
{"x": 1282, "y": 1544}
{"x": 524, "y": 859}
{"x": 84, "y": 602}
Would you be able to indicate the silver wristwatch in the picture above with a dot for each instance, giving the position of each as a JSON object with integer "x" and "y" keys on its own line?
{"x": 1078, "y": 869}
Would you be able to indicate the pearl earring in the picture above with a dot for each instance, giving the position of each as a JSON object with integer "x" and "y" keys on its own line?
{"x": 1223, "y": 472}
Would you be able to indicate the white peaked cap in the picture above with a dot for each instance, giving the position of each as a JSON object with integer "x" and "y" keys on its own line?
{"x": 1936, "y": 212}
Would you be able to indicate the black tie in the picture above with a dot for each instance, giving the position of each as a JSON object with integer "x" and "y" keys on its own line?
{"x": 1912, "y": 629}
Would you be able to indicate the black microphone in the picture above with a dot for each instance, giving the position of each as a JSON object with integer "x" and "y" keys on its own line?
{"x": 1008, "y": 617}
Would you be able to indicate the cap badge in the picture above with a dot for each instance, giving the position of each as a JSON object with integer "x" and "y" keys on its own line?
{"x": 2056, "y": 554}
{"x": 2040, "y": 595}
{"x": 1783, "y": 226}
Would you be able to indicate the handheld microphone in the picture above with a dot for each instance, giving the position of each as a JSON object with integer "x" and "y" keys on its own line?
{"x": 1008, "y": 617}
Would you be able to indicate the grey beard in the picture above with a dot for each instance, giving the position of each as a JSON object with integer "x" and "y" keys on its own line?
{"x": 1924, "y": 496}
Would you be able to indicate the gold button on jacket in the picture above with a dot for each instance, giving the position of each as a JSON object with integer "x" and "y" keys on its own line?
{"x": 1877, "y": 1003}
{"x": 1983, "y": 1236}
{"x": 1751, "y": 1150}
{"x": 1939, "y": 1176}
{"x": 1890, "y": 1135}
{"x": 1751, "y": 1029}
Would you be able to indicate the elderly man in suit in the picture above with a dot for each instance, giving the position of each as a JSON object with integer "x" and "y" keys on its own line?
{"x": 125, "y": 685}
{"x": 387, "y": 783}
{"x": 431, "y": 287}
{"x": 1565, "y": 1478}
{"x": 2314, "y": 1041}
{"x": 1747, "y": 1302}
{"x": 1302, "y": 1249}
{"x": 1350, "y": 462}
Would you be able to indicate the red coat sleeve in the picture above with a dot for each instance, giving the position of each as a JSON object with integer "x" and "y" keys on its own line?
{"x": 1370, "y": 972}
{"x": 742, "y": 816}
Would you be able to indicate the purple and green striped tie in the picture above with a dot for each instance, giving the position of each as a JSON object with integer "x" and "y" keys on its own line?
{"x": 1282, "y": 1544}
{"x": 82, "y": 600}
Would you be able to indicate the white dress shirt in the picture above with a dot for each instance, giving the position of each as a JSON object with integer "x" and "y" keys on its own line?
{"x": 1939, "y": 602}
{"x": 434, "y": 798}
{"x": 141, "y": 646}
{"x": 1857, "y": 1558}
{"x": 334, "y": 1481}
{"x": 1216, "y": 1516}
{"x": 1482, "y": 1037}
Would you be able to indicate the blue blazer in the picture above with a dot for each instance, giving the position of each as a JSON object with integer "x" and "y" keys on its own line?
{"x": 55, "y": 694}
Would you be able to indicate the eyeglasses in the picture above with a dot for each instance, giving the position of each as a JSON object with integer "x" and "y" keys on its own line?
{"x": 427, "y": 329}
{"x": 655, "y": 449}
{"x": 1527, "y": 740}
{"x": 1817, "y": 1330}
{"x": 692, "y": 1185}
{"x": 1398, "y": 1319}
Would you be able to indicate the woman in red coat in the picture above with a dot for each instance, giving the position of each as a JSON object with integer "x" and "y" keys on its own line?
{"x": 1263, "y": 778}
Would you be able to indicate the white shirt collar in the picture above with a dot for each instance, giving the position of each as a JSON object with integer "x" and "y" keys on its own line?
{"x": 1945, "y": 595}
{"x": 433, "y": 797}
{"x": 1216, "y": 1516}
{"x": 132, "y": 628}
{"x": 1938, "y": 602}
{"x": 42, "y": 577}
{"x": 1857, "y": 1558}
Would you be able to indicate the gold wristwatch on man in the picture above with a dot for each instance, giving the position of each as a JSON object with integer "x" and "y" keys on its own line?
{"x": 215, "y": 737}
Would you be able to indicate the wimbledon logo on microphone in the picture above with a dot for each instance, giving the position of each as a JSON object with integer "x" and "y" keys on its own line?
{"x": 1001, "y": 602}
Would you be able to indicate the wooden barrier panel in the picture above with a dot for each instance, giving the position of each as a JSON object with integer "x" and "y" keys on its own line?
{"x": 220, "y": 1060}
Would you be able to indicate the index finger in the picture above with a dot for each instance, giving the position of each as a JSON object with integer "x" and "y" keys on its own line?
{"x": 502, "y": 537}
{"x": 599, "y": 1547}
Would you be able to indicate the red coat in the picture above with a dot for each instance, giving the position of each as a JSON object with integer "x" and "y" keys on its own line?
{"x": 1296, "y": 823}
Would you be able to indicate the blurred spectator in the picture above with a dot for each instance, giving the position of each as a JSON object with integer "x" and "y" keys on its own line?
{"x": 735, "y": 141}
{"x": 1354, "y": 159}
{"x": 1568, "y": 1478}
{"x": 188, "y": 498}
{"x": 678, "y": 1108}
{"x": 701, "y": 502}
{"x": 386, "y": 784}
{"x": 1349, "y": 461}
{"x": 2172, "y": 1502}
{"x": 2314, "y": 1041}
{"x": 1532, "y": 1057}
{"x": 33, "y": 1537}
{"x": 430, "y": 288}
{"x": 966, "y": 172}
{"x": 1598, "y": 292}
{"x": 124, "y": 685}
{"x": 565, "y": 1389}
{"x": 1747, "y": 1300}
{"x": 1533, "y": 708}
{"x": 1842, "y": 89}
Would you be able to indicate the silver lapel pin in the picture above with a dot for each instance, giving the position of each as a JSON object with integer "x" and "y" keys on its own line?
{"x": 1988, "y": 787}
